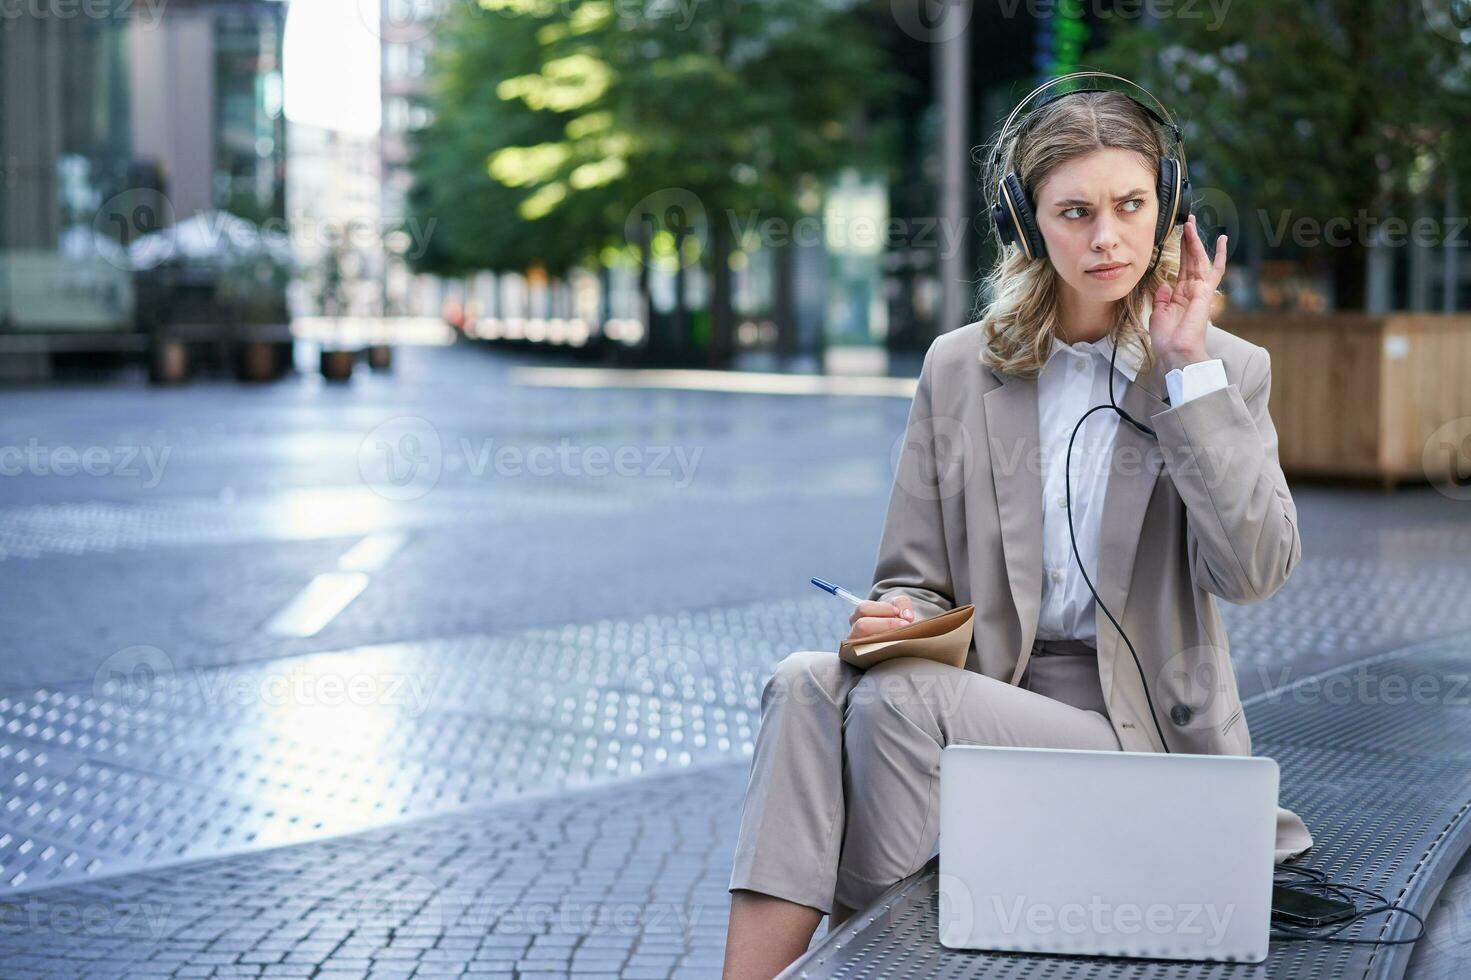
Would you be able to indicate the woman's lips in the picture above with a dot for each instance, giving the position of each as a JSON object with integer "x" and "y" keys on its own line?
{"x": 1113, "y": 273}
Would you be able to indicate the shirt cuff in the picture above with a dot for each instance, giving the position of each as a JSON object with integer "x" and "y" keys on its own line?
{"x": 1194, "y": 380}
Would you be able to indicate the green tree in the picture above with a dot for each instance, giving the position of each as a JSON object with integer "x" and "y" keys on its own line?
{"x": 1314, "y": 110}
{"x": 579, "y": 132}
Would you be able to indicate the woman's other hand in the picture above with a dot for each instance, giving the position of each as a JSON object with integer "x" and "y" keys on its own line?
{"x": 870, "y": 617}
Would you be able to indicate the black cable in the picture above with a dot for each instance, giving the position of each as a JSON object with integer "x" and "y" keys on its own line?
{"x": 1068, "y": 485}
{"x": 1323, "y": 883}
{"x": 1321, "y": 880}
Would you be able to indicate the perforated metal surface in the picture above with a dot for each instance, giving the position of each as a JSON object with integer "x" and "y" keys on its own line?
{"x": 154, "y": 763}
{"x": 1384, "y": 787}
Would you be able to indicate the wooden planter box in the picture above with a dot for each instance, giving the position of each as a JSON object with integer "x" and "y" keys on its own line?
{"x": 1359, "y": 395}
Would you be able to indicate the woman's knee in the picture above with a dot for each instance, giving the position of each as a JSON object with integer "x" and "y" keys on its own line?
{"x": 907, "y": 687}
{"x": 808, "y": 677}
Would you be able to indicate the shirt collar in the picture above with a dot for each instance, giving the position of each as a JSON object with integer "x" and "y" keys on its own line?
{"x": 1128, "y": 361}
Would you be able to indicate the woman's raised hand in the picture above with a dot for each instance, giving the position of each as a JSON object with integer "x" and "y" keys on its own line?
{"x": 870, "y": 617}
{"x": 1181, "y": 311}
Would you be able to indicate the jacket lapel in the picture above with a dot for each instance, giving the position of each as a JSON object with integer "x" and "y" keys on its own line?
{"x": 1137, "y": 464}
{"x": 1014, "y": 439}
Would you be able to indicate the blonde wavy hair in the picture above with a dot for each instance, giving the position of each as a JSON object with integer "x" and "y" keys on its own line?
{"x": 1021, "y": 320}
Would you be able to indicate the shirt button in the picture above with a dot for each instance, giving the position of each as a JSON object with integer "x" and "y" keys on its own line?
{"x": 1056, "y": 575}
{"x": 1078, "y": 365}
{"x": 1061, "y": 501}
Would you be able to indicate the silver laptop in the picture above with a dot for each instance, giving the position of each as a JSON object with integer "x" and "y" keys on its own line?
{"x": 1106, "y": 853}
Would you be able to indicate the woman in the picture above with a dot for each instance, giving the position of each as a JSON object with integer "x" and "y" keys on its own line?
{"x": 843, "y": 794}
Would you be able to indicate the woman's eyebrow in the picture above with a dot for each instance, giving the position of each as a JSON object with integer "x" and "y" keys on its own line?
{"x": 1078, "y": 200}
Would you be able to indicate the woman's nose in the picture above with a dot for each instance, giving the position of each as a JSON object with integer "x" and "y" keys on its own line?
{"x": 1105, "y": 234}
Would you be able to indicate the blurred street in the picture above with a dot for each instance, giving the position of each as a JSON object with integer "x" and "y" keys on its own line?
{"x": 415, "y": 653}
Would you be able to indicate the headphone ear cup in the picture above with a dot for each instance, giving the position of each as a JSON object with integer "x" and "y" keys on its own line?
{"x": 1004, "y": 228}
{"x": 1174, "y": 199}
{"x": 1017, "y": 211}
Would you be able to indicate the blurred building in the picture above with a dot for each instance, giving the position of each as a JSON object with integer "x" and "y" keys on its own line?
{"x": 333, "y": 201}
{"x": 406, "y": 28}
{"x": 207, "y": 92}
{"x": 115, "y": 123}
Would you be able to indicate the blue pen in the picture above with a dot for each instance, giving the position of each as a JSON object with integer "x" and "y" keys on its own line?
{"x": 836, "y": 590}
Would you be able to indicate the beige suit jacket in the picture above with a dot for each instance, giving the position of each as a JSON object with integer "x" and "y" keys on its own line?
{"x": 1205, "y": 512}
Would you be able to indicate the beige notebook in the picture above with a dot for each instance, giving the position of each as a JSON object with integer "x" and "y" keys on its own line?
{"x": 944, "y": 639}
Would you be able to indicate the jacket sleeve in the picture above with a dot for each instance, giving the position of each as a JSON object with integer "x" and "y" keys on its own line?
{"x": 912, "y": 557}
{"x": 1241, "y": 523}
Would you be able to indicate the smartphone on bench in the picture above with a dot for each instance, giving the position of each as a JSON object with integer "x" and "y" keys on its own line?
{"x": 1300, "y": 908}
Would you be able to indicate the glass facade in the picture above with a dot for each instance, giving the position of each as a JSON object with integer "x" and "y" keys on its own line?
{"x": 66, "y": 150}
{"x": 114, "y": 126}
{"x": 250, "y": 154}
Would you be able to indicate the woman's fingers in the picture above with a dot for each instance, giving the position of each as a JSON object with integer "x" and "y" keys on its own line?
{"x": 1187, "y": 251}
{"x": 1198, "y": 259}
{"x": 872, "y": 607}
{"x": 869, "y": 625}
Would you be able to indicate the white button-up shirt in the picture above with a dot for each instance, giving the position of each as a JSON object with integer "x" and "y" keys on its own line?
{"x": 1074, "y": 379}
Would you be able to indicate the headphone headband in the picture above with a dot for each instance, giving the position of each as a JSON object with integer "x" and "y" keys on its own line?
{"x": 1168, "y": 120}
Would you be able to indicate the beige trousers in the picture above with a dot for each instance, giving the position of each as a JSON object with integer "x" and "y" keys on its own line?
{"x": 844, "y": 790}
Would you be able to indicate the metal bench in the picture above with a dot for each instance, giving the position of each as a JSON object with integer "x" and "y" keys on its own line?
{"x": 1376, "y": 758}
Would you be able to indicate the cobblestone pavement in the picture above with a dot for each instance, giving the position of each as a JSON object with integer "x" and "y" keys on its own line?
{"x": 406, "y": 676}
